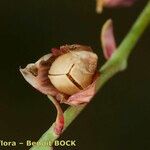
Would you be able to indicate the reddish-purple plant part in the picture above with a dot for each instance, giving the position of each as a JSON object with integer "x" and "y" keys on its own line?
{"x": 36, "y": 74}
{"x": 59, "y": 123}
{"x": 112, "y": 3}
{"x": 108, "y": 39}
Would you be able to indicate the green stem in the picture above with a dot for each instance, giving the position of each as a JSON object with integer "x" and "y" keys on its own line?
{"x": 49, "y": 136}
{"x": 118, "y": 62}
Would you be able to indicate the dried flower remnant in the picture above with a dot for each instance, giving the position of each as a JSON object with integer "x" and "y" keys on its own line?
{"x": 112, "y": 3}
{"x": 64, "y": 72}
{"x": 68, "y": 74}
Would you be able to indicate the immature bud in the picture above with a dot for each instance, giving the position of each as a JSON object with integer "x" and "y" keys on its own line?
{"x": 108, "y": 39}
{"x": 73, "y": 71}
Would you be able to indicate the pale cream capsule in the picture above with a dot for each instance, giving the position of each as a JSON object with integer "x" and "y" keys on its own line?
{"x": 73, "y": 71}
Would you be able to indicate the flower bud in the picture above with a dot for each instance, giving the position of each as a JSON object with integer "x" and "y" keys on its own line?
{"x": 73, "y": 71}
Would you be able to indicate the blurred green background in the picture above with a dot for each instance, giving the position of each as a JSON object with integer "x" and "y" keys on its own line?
{"x": 118, "y": 118}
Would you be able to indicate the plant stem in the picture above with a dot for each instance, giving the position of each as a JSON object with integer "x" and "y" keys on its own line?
{"x": 49, "y": 136}
{"x": 116, "y": 63}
